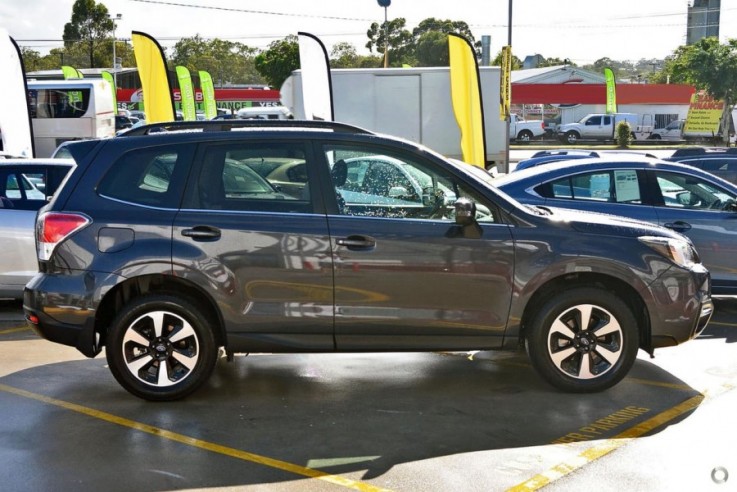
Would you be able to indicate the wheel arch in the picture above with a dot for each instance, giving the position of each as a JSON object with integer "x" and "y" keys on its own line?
{"x": 620, "y": 288}
{"x": 136, "y": 287}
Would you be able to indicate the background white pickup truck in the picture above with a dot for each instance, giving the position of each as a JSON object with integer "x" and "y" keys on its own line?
{"x": 601, "y": 127}
{"x": 524, "y": 131}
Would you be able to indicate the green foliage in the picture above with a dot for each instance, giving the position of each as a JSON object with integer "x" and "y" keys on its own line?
{"x": 432, "y": 50}
{"x": 709, "y": 66}
{"x": 401, "y": 42}
{"x": 516, "y": 62}
{"x": 228, "y": 62}
{"x": 89, "y": 27}
{"x": 623, "y": 135}
{"x": 279, "y": 60}
{"x": 344, "y": 55}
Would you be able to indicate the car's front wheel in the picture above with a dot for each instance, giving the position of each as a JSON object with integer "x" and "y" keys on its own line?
{"x": 583, "y": 340}
{"x": 160, "y": 348}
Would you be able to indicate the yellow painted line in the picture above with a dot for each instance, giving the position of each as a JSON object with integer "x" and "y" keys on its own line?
{"x": 662, "y": 384}
{"x": 197, "y": 443}
{"x": 720, "y": 323}
{"x": 14, "y": 330}
{"x": 607, "y": 446}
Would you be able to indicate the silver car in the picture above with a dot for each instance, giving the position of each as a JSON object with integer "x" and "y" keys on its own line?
{"x": 25, "y": 186}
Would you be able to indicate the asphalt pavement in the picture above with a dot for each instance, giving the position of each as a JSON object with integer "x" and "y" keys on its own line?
{"x": 408, "y": 422}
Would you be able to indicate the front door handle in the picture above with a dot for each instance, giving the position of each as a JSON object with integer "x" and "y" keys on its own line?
{"x": 202, "y": 233}
{"x": 678, "y": 226}
{"x": 356, "y": 242}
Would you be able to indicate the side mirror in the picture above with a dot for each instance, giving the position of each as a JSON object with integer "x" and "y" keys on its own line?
{"x": 465, "y": 212}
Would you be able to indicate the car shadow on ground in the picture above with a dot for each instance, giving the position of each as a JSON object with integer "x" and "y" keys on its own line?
{"x": 357, "y": 414}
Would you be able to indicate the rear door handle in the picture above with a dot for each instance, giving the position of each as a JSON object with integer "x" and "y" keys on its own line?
{"x": 202, "y": 233}
{"x": 678, "y": 226}
{"x": 356, "y": 242}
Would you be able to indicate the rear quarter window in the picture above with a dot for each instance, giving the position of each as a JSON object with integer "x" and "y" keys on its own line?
{"x": 152, "y": 177}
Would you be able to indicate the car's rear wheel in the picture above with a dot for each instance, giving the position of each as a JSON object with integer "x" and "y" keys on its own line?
{"x": 583, "y": 340}
{"x": 160, "y": 347}
{"x": 524, "y": 136}
{"x": 572, "y": 137}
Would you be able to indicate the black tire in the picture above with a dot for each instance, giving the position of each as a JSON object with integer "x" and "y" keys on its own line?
{"x": 524, "y": 136}
{"x": 572, "y": 137}
{"x": 654, "y": 136}
{"x": 184, "y": 343}
{"x": 583, "y": 360}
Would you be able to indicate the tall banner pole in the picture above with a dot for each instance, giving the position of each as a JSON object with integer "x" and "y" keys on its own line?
{"x": 317, "y": 84}
{"x": 155, "y": 84}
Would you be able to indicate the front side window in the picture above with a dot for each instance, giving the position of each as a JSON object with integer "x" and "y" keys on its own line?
{"x": 594, "y": 121}
{"x": 690, "y": 192}
{"x": 59, "y": 103}
{"x": 375, "y": 183}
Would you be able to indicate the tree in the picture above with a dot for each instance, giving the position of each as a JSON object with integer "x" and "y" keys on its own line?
{"x": 432, "y": 50}
{"x": 401, "y": 42}
{"x": 709, "y": 66}
{"x": 89, "y": 27}
{"x": 516, "y": 62}
{"x": 344, "y": 55}
{"x": 279, "y": 60}
{"x": 228, "y": 62}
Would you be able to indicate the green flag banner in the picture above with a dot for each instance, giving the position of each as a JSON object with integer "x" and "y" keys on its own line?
{"x": 187, "y": 93}
{"x": 208, "y": 95}
{"x": 71, "y": 72}
{"x": 109, "y": 78}
{"x": 611, "y": 91}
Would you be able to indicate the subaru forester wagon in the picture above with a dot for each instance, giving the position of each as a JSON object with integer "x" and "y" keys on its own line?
{"x": 178, "y": 240}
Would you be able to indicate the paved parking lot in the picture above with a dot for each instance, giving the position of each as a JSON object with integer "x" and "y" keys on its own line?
{"x": 407, "y": 422}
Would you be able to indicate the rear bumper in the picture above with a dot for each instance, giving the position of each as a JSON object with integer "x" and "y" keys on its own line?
{"x": 62, "y": 308}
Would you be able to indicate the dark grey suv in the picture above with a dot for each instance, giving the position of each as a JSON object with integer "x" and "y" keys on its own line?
{"x": 166, "y": 245}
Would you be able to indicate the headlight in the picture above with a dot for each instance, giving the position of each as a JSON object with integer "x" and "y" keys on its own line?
{"x": 680, "y": 252}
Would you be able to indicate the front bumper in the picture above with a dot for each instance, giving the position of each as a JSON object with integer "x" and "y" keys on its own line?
{"x": 680, "y": 306}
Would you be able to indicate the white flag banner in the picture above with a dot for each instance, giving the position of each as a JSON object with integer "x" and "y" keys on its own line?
{"x": 15, "y": 119}
{"x": 317, "y": 91}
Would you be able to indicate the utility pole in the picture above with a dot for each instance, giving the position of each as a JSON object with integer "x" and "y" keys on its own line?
{"x": 115, "y": 59}
{"x": 385, "y": 4}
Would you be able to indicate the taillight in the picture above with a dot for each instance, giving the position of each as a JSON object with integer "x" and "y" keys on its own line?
{"x": 53, "y": 228}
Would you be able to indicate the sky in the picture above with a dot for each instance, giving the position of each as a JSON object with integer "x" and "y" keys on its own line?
{"x": 580, "y": 30}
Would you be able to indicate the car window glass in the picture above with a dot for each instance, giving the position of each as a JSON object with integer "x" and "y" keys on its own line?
{"x": 374, "y": 183}
{"x": 254, "y": 177}
{"x": 594, "y": 120}
{"x": 689, "y": 192}
{"x": 146, "y": 177}
{"x": 621, "y": 186}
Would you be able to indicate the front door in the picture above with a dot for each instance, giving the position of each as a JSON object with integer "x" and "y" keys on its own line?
{"x": 405, "y": 275}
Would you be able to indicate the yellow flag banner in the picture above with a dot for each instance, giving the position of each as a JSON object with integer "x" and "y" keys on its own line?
{"x": 505, "y": 84}
{"x": 157, "y": 92}
{"x": 465, "y": 92}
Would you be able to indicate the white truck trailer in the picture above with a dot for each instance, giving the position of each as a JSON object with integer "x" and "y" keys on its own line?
{"x": 412, "y": 103}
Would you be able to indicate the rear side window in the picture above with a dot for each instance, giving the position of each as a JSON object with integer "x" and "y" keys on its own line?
{"x": 153, "y": 177}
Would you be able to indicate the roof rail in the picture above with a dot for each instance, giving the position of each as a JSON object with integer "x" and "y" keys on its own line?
{"x": 228, "y": 125}
{"x": 691, "y": 151}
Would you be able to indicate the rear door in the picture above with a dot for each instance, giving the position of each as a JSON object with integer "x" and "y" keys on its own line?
{"x": 261, "y": 251}
{"x": 405, "y": 275}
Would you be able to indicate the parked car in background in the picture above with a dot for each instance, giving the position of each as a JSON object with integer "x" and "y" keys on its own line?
{"x": 547, "y": 156}
{"x": 719, "y": 161}
{"x": 601, "y": 127}
{"x": 524, "y": 131}
{"x": 25, "y": 186}
{"x": 122, "y": 122}
{"x": 688, "y": 200}
{"x": 175, "y": 246}
{"x": 673, "y": 131}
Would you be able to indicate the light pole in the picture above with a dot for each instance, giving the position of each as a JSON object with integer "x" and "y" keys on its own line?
{"x": 385, "y": 4}
{"x": 115, "y": 59}
{"x": 505, "y": 168}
